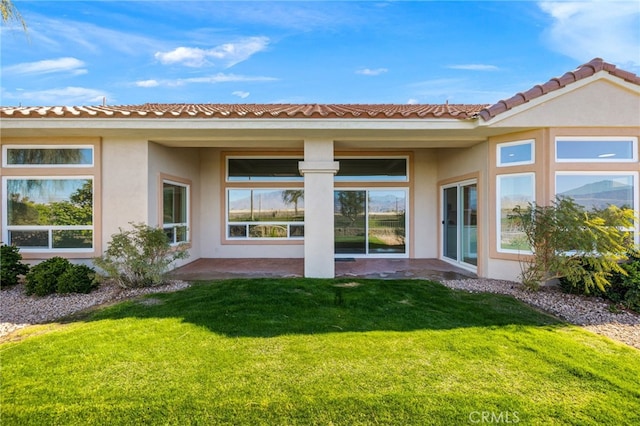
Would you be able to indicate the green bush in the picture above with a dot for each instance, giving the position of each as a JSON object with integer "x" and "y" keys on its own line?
{"x": 139, "y": 257}
{"x": 624, "y": 287}
{"x": 568, "y": 242}
{"x": 42, "y": 279}
{"x": 77, "y": 279}
{"x": 10, "y": 265}
{"x": 58, "y": 275}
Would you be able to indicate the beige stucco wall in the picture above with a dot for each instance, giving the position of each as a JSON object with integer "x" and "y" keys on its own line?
{"x": 424, "y": 218}
{"x": 124, "y": 184}
{"x": 586, "y": 104}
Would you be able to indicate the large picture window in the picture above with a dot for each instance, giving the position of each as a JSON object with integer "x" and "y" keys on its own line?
{"x": 48, "y": 213}
{"x": 265, "y": 213}
{"x": 175, "y": 211}
{"x": 513, "y": 190}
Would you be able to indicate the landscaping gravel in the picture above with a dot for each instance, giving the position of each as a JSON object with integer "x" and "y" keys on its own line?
{"x": 593, "y": 313}
{"x": 18, "y": 310}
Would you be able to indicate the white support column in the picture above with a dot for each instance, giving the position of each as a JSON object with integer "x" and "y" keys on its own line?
{"x": 318, "y": 169}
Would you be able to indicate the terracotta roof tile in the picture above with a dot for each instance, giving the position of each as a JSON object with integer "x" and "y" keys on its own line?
{"x": 583, "y": 71}
{"x": 150, "y": 110}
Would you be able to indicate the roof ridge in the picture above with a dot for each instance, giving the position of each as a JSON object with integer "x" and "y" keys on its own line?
{"x": 581, "y": 72}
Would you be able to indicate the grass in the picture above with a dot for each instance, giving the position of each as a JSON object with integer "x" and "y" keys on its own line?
{"x": 301, "y": 351}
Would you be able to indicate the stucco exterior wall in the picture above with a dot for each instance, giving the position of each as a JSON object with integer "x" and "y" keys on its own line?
{"x": 586, "y": 104}
{"x": 124, "y": 184}
{"x": 424, "y": 217}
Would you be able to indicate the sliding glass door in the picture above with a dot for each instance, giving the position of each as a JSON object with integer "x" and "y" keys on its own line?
{"x": 460, "y": 222}
{"x": 370, "y": 222}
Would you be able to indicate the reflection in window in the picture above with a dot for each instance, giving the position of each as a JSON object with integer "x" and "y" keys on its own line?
{"x": 597, "y": 190}
{"x": 372, "y": 169}
{"x": 278, "y": 211}
{"x": 513, "y": 190}
{"x": 49, "y": 213}
{"x": 175, "y": 211}
{"x": 370, "y": 221}
{"x": 49, "y": 156}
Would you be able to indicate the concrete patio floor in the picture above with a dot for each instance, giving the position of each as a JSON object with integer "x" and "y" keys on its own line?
{"x": 211, "y": 269}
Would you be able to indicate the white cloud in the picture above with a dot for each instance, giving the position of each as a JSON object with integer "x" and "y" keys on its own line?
{"x": 61, "y": 65}
{"x": 369, "y": 71}
{"x": 60, "y": 96}
{"x": 147, "y": 83}
{"x": 585, "y": 30}
{"x": 224, "y": 78}
{"x": 474, "y": 67}
{"x": 241, "y": 94}
{"x": 413, "y": 101}
{"x": 225, "y": 55}
{"x": 210, "y": 79}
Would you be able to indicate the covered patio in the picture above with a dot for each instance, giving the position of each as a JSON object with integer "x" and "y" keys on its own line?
{"x": 210, "y": 269}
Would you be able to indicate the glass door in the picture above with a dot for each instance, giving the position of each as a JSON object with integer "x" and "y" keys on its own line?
{"x": 460, "y": 223}
{"x": 370, "y": 222}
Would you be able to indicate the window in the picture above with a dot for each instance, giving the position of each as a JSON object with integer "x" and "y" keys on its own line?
{"x": 599, "y": 189}
{"x": 263, "y": 169}
{"x": 516, "y": 153}
{"x": 265, "y": 213}
{"x": 47, "y": 156}
{"x": 513, "y": 190}
{"x": 175, "y": 211}
{"x": 49, "y": 213}
{"x": 596, "y": 149}
{"x": 372, "y": 170}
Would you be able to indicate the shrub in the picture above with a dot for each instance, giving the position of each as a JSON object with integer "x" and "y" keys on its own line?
{"x": 58, "y": 275}
{"x": 624, "y": 285}
{"x": 583, "y": 247}
{"x": 139, "y": 257}
{"x": 77, "y": 279}
{"x": 42, "y": 279}
{"x": 10, "y": 265}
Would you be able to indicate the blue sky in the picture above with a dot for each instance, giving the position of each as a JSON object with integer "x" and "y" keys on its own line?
{"x": 133, "y": 52}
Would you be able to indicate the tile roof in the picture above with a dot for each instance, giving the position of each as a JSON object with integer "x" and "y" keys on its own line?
{"x": 386, "y": 111}
{"x": 343, "y": 111}
{"x": 583, "y": 71}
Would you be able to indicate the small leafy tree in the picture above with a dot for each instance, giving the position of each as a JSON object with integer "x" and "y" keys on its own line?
{"x": 11, "y": 265}
{"x": 139, "y": 257}
{"x": 583, "y": 247}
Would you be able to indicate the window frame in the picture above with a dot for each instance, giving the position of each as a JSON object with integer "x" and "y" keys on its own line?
{"x": 175, "y": 225}
{"x": 498, "y": 205}
{"x": 576, "y": 139}
{"x": 5, "y": 156}
{"x": 530, "y": 142}
{"x": 6, "y": 228}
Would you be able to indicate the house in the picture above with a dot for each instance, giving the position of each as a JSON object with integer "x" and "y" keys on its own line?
{"x": 321, "y": 181}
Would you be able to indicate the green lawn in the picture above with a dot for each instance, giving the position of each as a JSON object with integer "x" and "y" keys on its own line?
{"x": 289, "y": 351}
